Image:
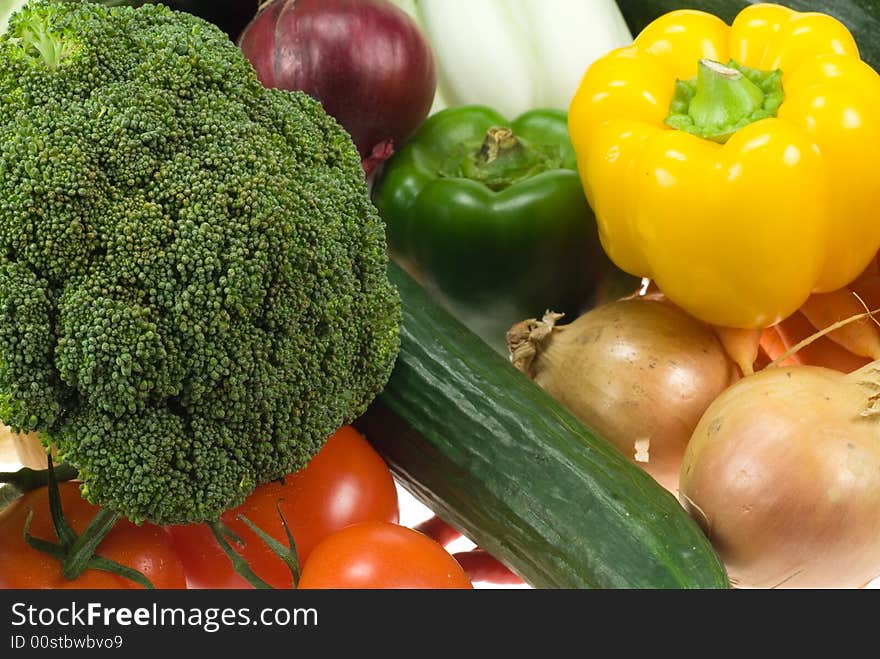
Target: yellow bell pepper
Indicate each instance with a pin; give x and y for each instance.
(737, 166)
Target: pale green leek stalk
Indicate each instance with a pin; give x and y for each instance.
(515, 55)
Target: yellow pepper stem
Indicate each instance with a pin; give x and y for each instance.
(724, 98)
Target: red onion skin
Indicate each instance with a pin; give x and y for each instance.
(257, 42)
(366, 61)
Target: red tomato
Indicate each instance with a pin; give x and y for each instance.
(146, 548)
(345, 483)
(381, 555)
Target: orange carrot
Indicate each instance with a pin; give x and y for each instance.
(860, 337)
(821, 352)
(774, 346)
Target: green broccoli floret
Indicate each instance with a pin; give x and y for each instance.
(193, 292)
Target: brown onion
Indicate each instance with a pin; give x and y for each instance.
(783, 474)
(366, 61)
(639, 371)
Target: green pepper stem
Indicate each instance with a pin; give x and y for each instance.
(500, 141)
(724, 98)
(503, 158)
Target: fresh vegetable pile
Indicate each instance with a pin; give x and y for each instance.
(345, 487)
(605, 305)
(717, 159)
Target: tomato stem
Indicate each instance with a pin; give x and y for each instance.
(286, 554)
(66, 535)
(18, 483)
(239, 564)
(84, 547)
(107, 565)
(77, 553)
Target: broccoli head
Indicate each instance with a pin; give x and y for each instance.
(193, 290)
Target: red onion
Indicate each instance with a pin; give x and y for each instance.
(366, 61)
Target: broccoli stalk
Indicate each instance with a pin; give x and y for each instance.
(193, 293)
(38, 40)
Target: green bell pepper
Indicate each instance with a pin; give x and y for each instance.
(490, 217)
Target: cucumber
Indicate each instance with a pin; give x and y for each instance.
(498, 458)
(862, 17)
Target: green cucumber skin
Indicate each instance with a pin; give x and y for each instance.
(862, 17)
(498, 458)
